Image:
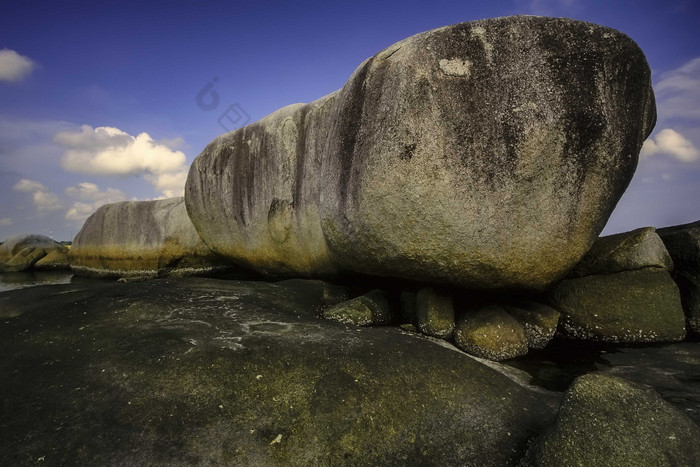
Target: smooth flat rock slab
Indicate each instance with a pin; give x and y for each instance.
(188, 371)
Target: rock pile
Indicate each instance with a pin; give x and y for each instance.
(32, 252)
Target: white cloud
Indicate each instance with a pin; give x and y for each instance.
(170, 184)
(5, 221)
(29, 186)
(671, 143)
(14, 67)
(678, 91)
(90, 198)
(111, 151)
(43, 199)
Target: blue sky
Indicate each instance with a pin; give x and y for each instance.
(98, 100)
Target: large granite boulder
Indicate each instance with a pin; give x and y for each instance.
(141, 238)
(200, 371)
(31, 251)
(486, 154)
(638, 306)
(683, 243)
(607, 421)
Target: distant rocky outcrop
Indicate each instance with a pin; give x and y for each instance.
(486, 154)
(683, 243)
(141, 238)
(32, 252)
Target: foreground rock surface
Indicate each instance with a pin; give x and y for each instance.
(607, 421)
(31, 251)
(141, 238)
(203, 371)
(683, 243)
(486, 154)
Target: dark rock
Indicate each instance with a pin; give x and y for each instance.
(633, 307)
(490, 333)
(538, 320)
(202, 371)
(408, 306)
(435, 314)
(683, 243)
(370, 309)
(604, 420)
(141, 239)
(638, 249)
(486, 154)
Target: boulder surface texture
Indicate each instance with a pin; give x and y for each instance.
(141, 238)
(486, 154)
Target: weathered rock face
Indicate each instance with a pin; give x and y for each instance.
(202, 371)
(683, 243)
(539, 322)
(30, 251)
(485, 154)
(625, 307)
(141, 238)
(605, 420)
(638, 249)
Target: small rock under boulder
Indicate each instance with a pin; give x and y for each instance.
(435, 314)
(626, 307)
(605, 420)
(370, 309)
(141, 239)
(490, 333)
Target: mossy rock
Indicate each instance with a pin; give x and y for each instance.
(370, 309)
(538, 320)
(54, 259)
(625, 307)
(24, 260)
(435, 314)
(490, 333)
(202, 371)
(607, 421)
